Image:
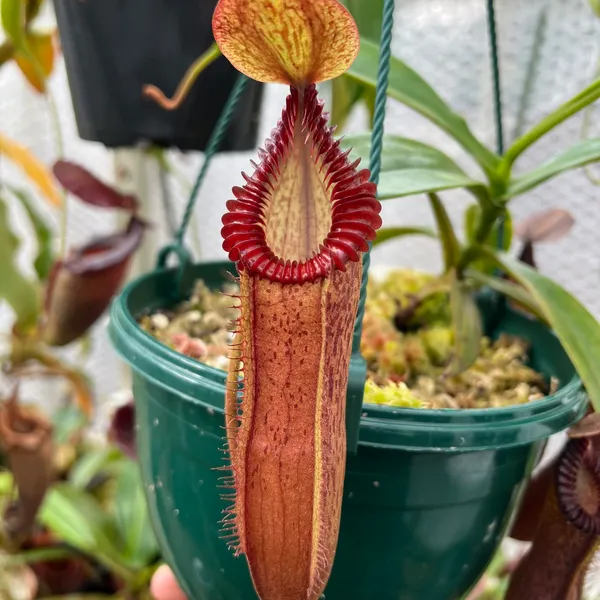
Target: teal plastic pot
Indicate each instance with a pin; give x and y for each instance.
(428, 495)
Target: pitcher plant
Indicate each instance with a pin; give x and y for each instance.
(296, 231)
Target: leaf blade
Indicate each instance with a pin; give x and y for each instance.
(407, 86)
(584, 98)
(450, 243)
(33, 168)
(579, 155)
(13, 20)
(468, 328)
(389, 233)
(576, 328)
(45, 257)
(409, 182)
(347, 92)
(37, 60)
(20, 293)
(131, 514)
(410, 167)
(76, 517)
(507, 288)
(81, 183)
(89, 465)
(368, 17)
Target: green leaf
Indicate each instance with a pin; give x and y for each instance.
(369, 99)
(408, 87)
(92, 463)
(401, 153)
(579, 155)
(368, 17)
(584, 98)
(450, 244)
(507, 232)
(78, 519)
(13, 20)
(576, 328)
(507, 288)
(595, 4)
(389, 233)
(395, 184)
(472, 216)
(67, 421)
(347, 92)
(133, 522)
(468, 331)
(44, 259)
(409, 167)
(21, 293)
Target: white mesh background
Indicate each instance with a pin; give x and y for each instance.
(446, 42)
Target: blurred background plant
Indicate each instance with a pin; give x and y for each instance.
(84, 528)
(74, 515)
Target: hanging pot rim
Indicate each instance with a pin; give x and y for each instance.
(433, 430)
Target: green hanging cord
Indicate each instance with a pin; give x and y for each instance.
(491, 18)
(495, 63)
(177, 246)
(213, 146)
(385, 55)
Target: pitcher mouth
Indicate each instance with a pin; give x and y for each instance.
(332, 202)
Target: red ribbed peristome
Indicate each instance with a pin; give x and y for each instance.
(354, 207)
(578, 455)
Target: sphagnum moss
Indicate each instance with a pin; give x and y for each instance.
(406, 367)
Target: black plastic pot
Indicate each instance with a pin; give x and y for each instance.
(113, 48)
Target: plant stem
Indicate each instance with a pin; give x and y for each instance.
(490, 213)
(186, 83)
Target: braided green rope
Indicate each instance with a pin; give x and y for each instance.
(385, 55)
(213, 146)
(493, 35)
(491, 18)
